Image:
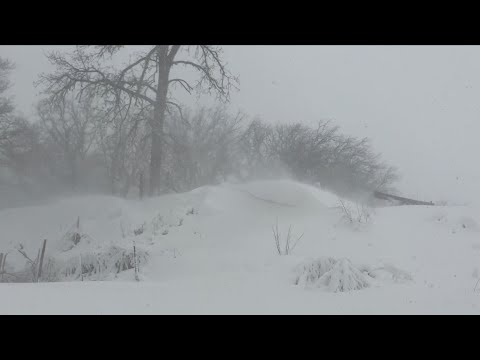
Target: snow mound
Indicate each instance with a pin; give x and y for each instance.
(467, 222)
(455, 222)
(390, 272)
(288, 193)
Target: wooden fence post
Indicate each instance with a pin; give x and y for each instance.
(2, 269)
(2, 258)
(41, 259)
(135, 262)
(81, 267)
(1, 264)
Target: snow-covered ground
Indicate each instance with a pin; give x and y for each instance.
(212, 250)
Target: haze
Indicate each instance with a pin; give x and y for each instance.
(419, 104)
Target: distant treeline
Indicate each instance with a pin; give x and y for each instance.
(84, 144)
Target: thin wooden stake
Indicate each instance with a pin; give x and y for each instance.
(81, 267)
(1, 265)
(36, 264)
(135, 262)
(41, 259)
(2, 269)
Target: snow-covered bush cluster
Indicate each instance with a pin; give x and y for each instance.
(310, 271)
(162, 223)
(340, 275)
(73, 254)
(99, 265)
(93, 265)
(73, 237)
(331, 274)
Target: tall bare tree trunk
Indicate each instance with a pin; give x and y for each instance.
(159, 119)
(155, 163)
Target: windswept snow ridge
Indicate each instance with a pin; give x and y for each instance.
(212, 250)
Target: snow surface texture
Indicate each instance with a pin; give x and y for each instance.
(212, 250)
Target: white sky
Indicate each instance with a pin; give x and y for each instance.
(419, 104)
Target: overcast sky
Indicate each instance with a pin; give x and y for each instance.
(419, 104)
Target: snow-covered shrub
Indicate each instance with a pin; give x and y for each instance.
(310, 271)
(27, 274)
(98, 265)
(332, 275)
(344, 277)
(51, 272)
(157, 225)
(73, 237)
(289, 243)
(355, 214)
(161, 223)
(31, 269)
(87, 266)
(139, 231)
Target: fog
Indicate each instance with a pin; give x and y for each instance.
(418, 104)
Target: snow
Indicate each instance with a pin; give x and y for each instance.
(212, 251)
(334, 275)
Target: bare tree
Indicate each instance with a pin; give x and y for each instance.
(71, 126)
(201, 148)
(304, 150)
(123, 142)
(19, 140)
(147, 79)
(316, 154)
(6, 107)
(256, 156)
(21, 146)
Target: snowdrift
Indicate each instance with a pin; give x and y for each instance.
(212, 250)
